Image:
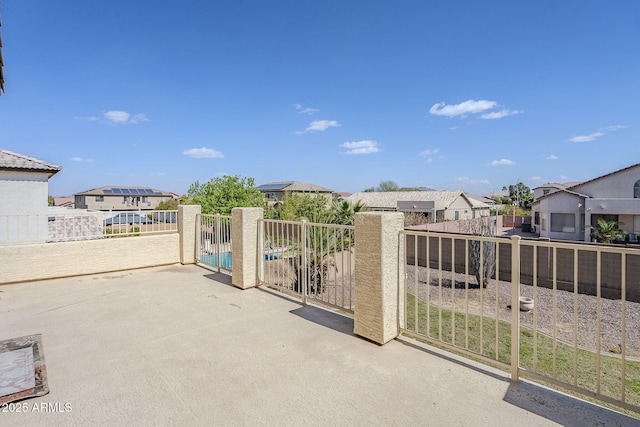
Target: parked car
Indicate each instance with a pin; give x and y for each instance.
(127, 218)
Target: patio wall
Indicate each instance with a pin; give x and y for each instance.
(52, 260)
(22, 263)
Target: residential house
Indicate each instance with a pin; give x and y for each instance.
(24, 183)
(120, 198)
(551, 187)
(24, 190)
(567, 213)
(275, 192)
(435, 205)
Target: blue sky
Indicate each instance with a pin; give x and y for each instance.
(344, 94)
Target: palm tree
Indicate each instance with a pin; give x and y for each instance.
(343, 212)
(607, 231)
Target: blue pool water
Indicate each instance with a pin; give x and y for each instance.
(212, 259)
(225, 259)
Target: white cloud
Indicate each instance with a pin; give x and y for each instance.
(586, 138)
(117, 116)
(463, 180)
(122, 117)
(80, 159)
(552, 157)
(305, 110)
(503, 162)
(536, 178)
(427, 154)
(564, 177)
(614, 128)
(499, 114)
(319, 126)
(361, 147)
(467, 107)
(139, 118)
(203, 153)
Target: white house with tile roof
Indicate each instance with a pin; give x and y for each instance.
(24, 191)
(24, 183)
(567, 213)
(438, 205)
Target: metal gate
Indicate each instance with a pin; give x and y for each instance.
(314, 262)
(213, 245)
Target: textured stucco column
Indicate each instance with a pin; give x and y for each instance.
(377, 238)
(244, 250)
(187, 217)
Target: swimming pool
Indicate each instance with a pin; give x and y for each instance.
(225, 259)
(212, 259)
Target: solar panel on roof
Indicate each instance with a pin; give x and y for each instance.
(148, 191)
(108, 191)
(116, 191)
(269, 187)
(125, 191)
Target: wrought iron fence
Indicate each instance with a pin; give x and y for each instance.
(312, 261)
(530, 307)
(71, 225)
(213, 247)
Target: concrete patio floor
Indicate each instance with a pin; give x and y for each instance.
(179, 345)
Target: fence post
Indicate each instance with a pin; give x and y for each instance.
(244, 251)
(216, 228)
(187, 215)
(260, 251)
(515, 307)
(305, 270)
(198, 237)
(377, 237)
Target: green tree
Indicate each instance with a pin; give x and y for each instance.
(296, 207)
(51, 200)
(344, 212)
(221, 194)
(388, 186)
(519, 194)
(607, 231)
(168, 205)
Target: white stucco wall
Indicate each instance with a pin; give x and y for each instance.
(50, 260)
(23, 192)
(563, 203)
(617, 186)
(462, 206)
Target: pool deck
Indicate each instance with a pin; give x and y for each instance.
(178, 345)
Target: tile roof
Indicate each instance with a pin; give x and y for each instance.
(390, 199)
(293, 186)
(14, 161)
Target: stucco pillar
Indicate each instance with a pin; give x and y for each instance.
(244, 250)
(187, 217)
(377, 242)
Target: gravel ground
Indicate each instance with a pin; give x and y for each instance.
(587, 326)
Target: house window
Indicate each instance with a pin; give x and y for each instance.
(545, 192)
(563, 223)
(456, 215)
(636, 190)
(536, 218)
(145, 199)
(99, 198)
